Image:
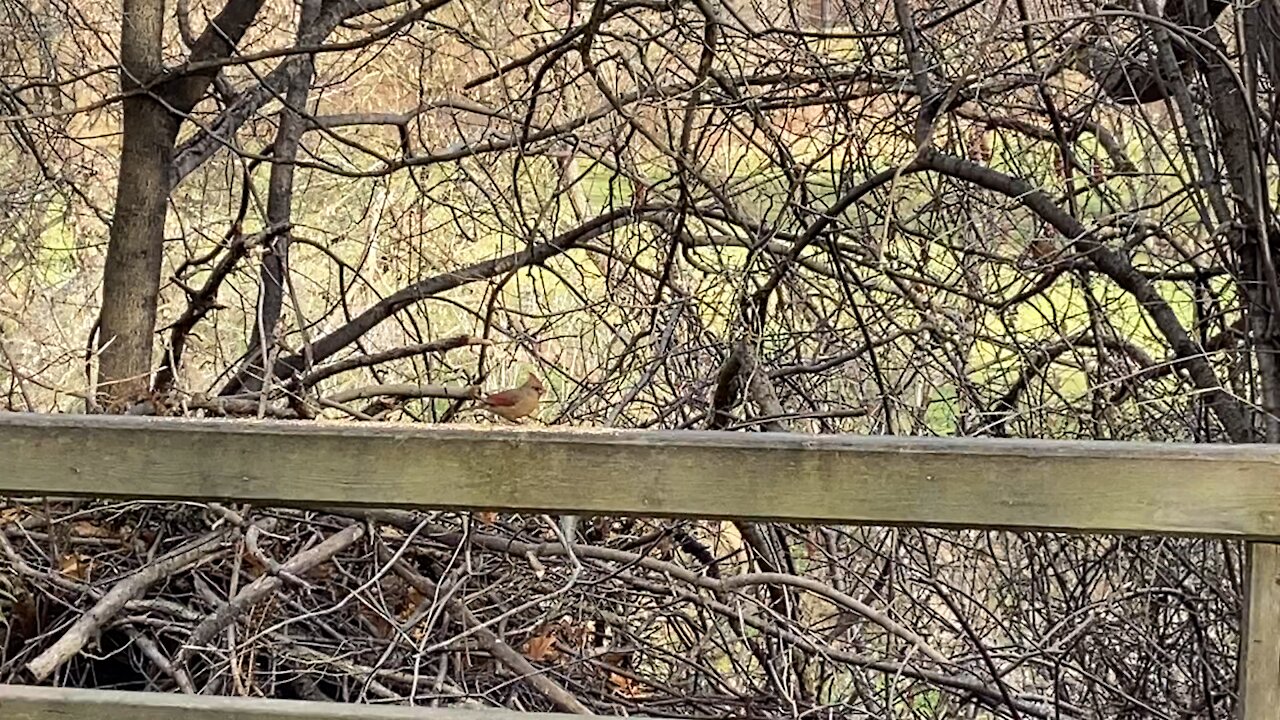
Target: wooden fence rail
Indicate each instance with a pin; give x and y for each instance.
(20, 702)
(1207, 490)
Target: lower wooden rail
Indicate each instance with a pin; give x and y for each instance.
(21, 702)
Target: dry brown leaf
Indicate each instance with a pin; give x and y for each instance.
(541, 647)
(10, 515)
(486, 517)
(604, 527)
(75, 565)
(90, 529)
(617, 658)
(575, 635)
(412, 600)
(252, 566)
(625, 686)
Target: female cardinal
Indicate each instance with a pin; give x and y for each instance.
(517, 402)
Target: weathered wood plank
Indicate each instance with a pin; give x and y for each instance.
(20, 702)
(1227, 491)
(1260, 635)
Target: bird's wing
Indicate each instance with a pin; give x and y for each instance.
(502, 399)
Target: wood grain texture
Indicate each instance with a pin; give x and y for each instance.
(1225, 491)
(20, 702)
(1260, 649)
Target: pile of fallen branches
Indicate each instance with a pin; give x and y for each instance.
(663, 618)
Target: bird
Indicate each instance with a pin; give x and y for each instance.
(516, 403)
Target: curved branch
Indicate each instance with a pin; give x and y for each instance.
(435, 346)
(1120, 270)
(325, 347)
(1129, 80)
(1039, 361)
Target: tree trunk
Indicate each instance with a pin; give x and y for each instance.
(131, 283)
(275, 264)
